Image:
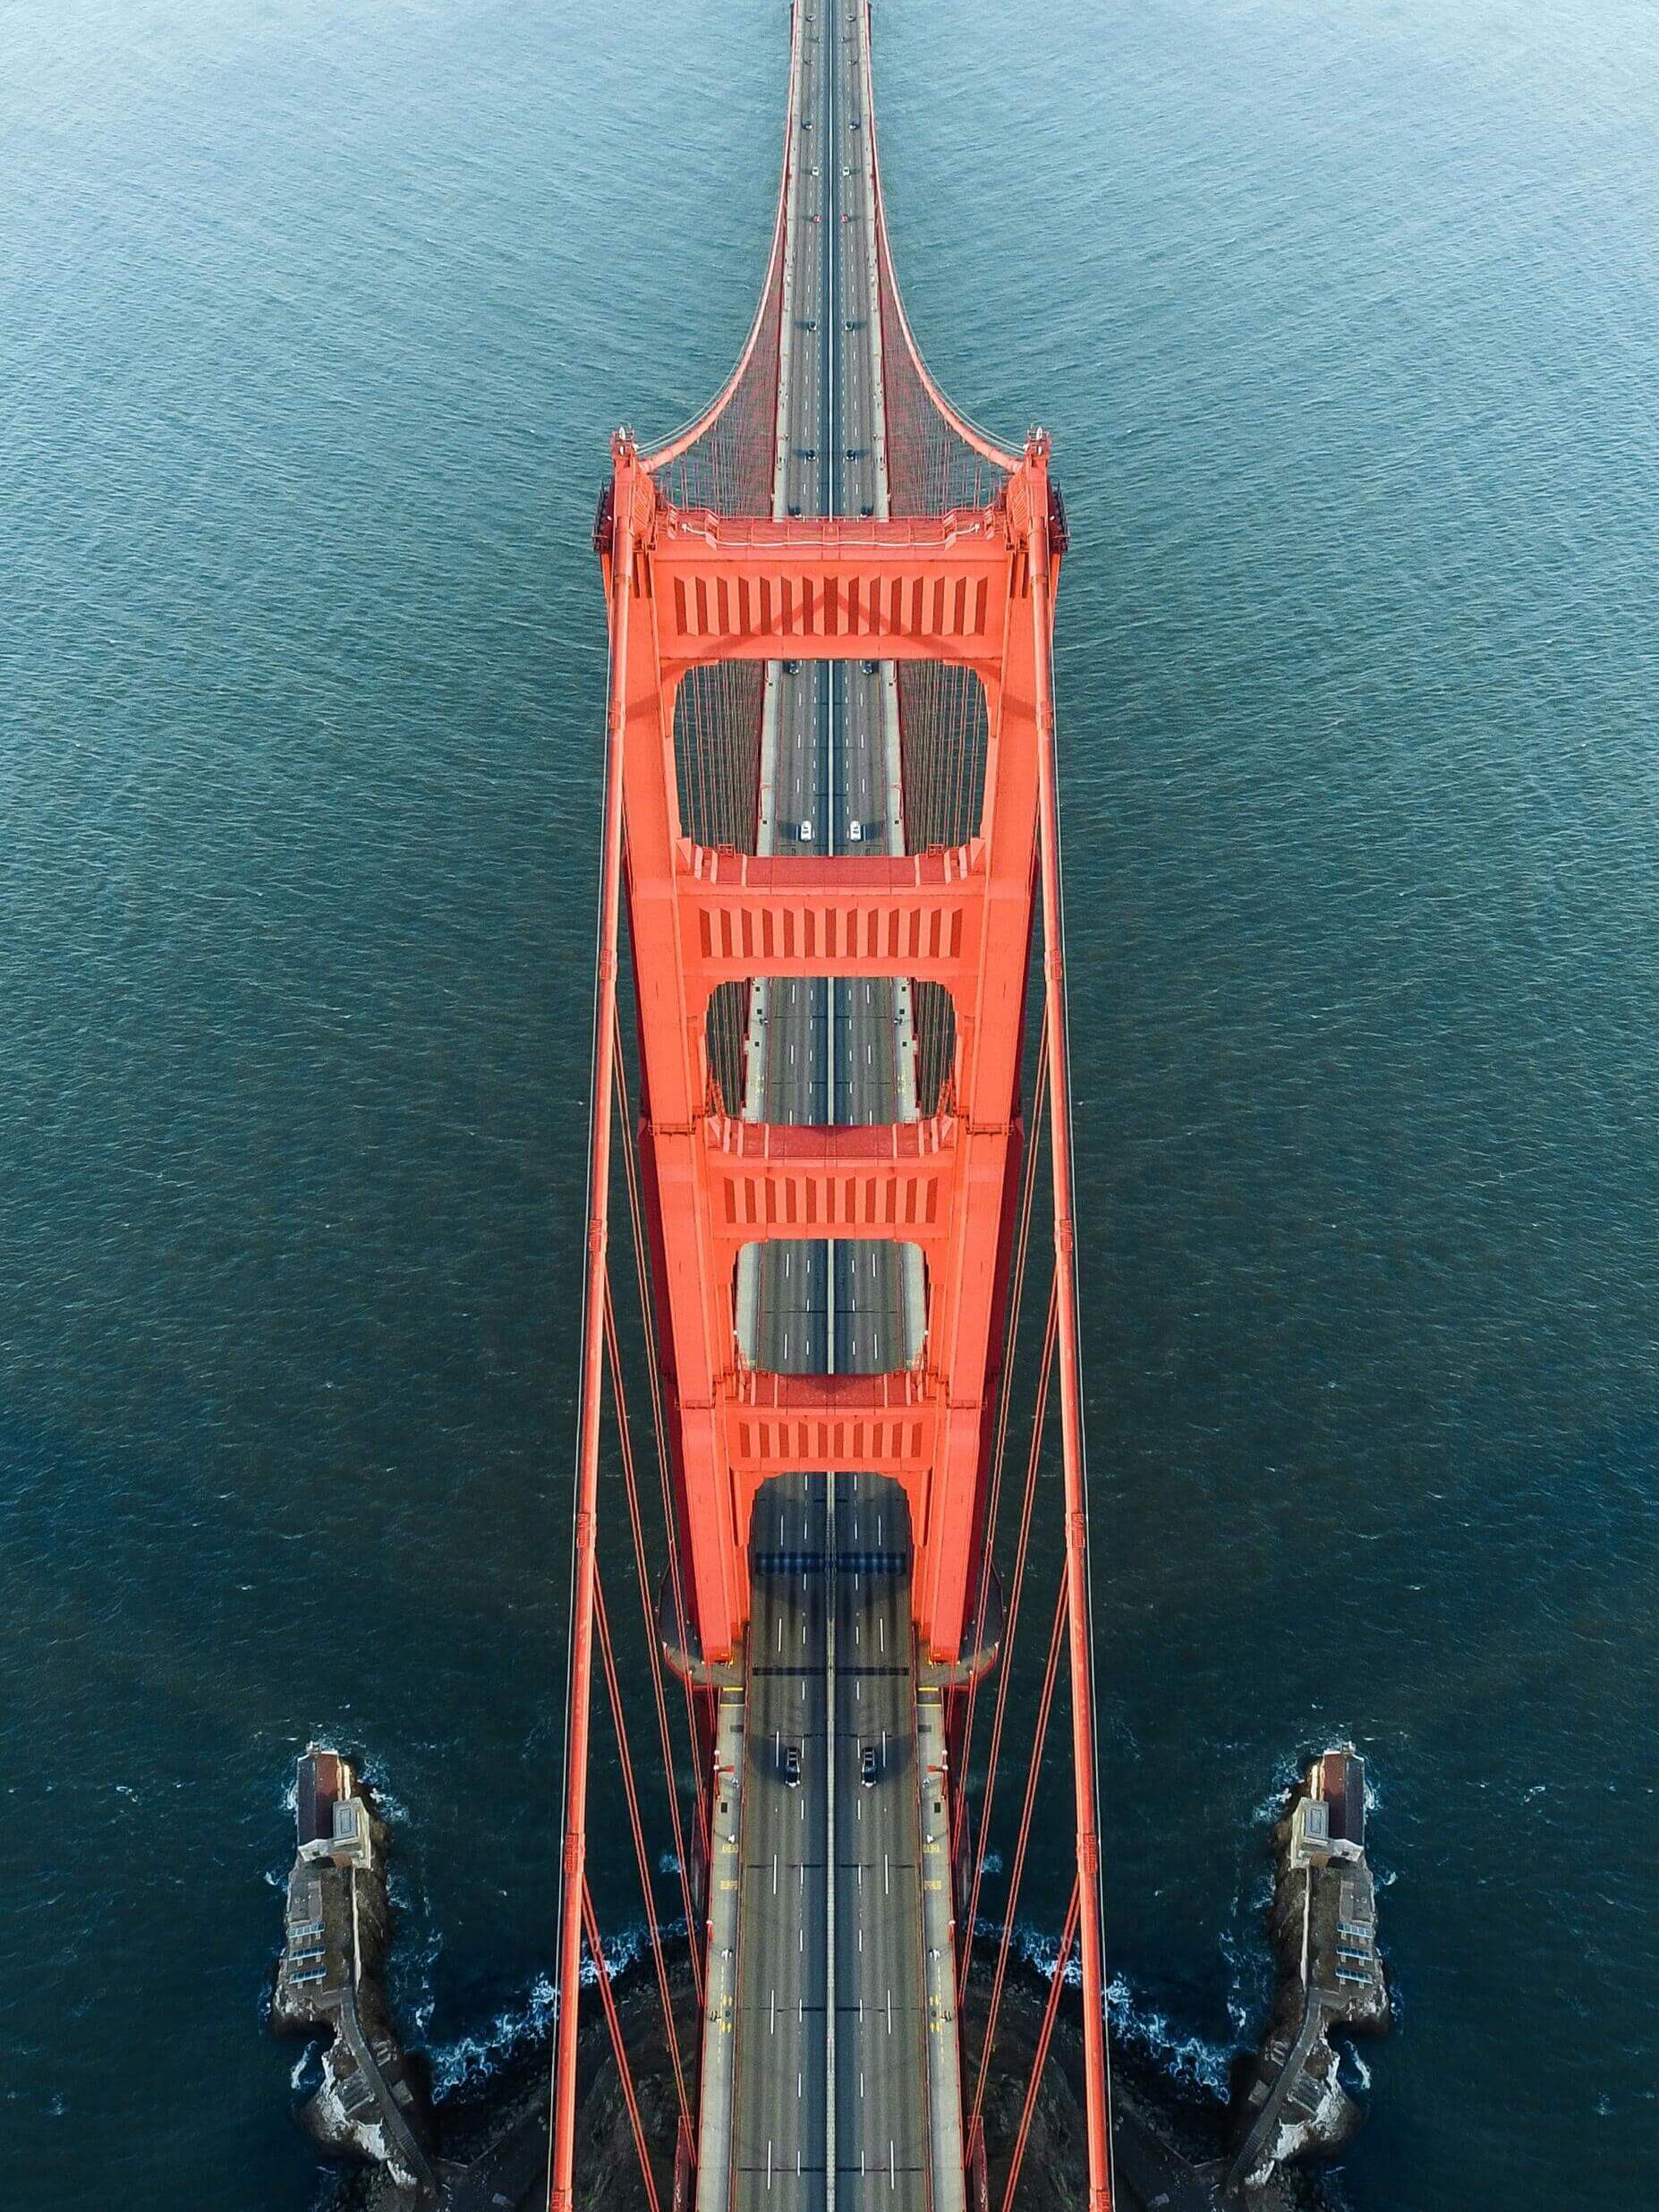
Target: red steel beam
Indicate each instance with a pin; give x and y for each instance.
(918, 917)
(774, 1179)
(956, 588)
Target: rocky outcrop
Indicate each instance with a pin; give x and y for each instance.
(337, 1927)
(1323, 1923)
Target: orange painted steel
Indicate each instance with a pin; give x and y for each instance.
(585, 1565)
(1096, 2060)
(630, 1482)
(957, 587)
(620, 2049)
(1039, 1418)
(1010, 1908)
(954, 584)
(1050, 2013)
(641, 1859)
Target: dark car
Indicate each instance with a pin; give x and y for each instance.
(792, 1765)
(867, 1767)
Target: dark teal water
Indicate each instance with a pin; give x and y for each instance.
(313, 323)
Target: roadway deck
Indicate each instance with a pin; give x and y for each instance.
(832, 2099)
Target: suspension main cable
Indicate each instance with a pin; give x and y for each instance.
(631, 1485)
(1012, 1906)
(603, 1969)
(619, 1720)
(658, 1422)
(585, 1558)
(1027, 1198)
(1051, 1338)
(1043, 2040)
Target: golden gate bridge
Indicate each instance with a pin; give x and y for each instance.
(832, 823)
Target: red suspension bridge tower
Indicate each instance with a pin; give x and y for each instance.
(832, 823)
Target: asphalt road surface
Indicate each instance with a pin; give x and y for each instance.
(831, 1897)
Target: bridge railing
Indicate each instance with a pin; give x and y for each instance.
(726, 457)
(936, 458)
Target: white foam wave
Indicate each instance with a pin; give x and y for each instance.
(387, 1803)
(1271, 1808)
(472, 2059)
(416, 1996)
(1191, 2061)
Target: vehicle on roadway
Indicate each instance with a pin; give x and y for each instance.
(792, 1765)
(867, 1767)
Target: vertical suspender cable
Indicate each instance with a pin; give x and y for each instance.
(1040, 2060)
(1017, 1875)
(1001, 1453)
(574, 1857)
(660, 1438)
(1038, 1419)
(603, 1972)
(652, 1927)
(1095, 2054)
(631, 1485)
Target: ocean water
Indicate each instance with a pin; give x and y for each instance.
(313, 324)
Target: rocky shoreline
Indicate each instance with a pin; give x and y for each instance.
(492, 2136)
(1176, 2148)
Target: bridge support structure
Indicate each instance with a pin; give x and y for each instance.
(959, 590)
(949, 587)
